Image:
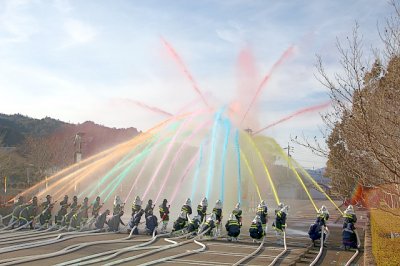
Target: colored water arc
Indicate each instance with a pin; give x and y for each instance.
(239, 173)
(211, 165)
(227, 126)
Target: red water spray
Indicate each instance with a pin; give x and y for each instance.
(297, 113)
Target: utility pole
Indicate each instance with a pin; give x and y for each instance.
(78, 141)
(290, 149)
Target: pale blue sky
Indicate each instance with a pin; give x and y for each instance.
(71, 59)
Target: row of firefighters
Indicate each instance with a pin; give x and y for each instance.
(75, 215)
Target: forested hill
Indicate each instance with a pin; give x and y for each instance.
(47, 144)
(14, 129)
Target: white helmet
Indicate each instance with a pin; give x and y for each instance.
(117, 200)
(204, 202)
(259, 205)
(232, 217)
(237, 207)
(218, 204)
(349, 210)
(138, 201)
(323, 210)
(188, 202)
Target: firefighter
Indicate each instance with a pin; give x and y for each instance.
(218, 216)
(208, 226)
(256, 230)
(102, 219)
(135, 221)
(45, 216)
(349, 216)
(46, 203)
(232, 226)
(238, 213)
(149, 208)
(164, 215)
(280, 206)
(136, 205)
(76, 219)
(151, 222)
(180, 223)
(194, 224)
(96, 207)
(187, 208)
(115, 221)
(349, 236)
(262, 211)
(28, 213)
(85, 210)
(18, 206)
(64, 205)
(323, 215)
(74, 204)
(280, 223)
(118, 205)
(73, 210)
(202, 209)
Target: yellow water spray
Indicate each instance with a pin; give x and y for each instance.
(297, 175)
(265, 168)
(318, 186)
(253, 178)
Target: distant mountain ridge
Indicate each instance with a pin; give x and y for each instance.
(15, 128)
(36, 148)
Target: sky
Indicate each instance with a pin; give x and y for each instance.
(89, 60)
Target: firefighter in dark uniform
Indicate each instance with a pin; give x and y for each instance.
(96, 207)
(164, 215)
(202, 209)
(232, 226)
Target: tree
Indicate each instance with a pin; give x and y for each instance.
(363, 130)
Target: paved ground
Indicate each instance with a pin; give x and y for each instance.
(217, 252)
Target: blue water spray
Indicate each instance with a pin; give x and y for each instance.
(227, 125)
(211, 165)
(237, 147)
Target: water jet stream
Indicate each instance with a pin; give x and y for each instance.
(317, 186)
(185, 173)
(297, 113)
(185, 70)
(211, 165)
(253, 177)
(278, 63)
(288, 160)
(239, 175)
(177, 154)
(251, 141)
(197, 172)
(166, 153)
(227, 126)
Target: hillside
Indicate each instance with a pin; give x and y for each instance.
(33, 148)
